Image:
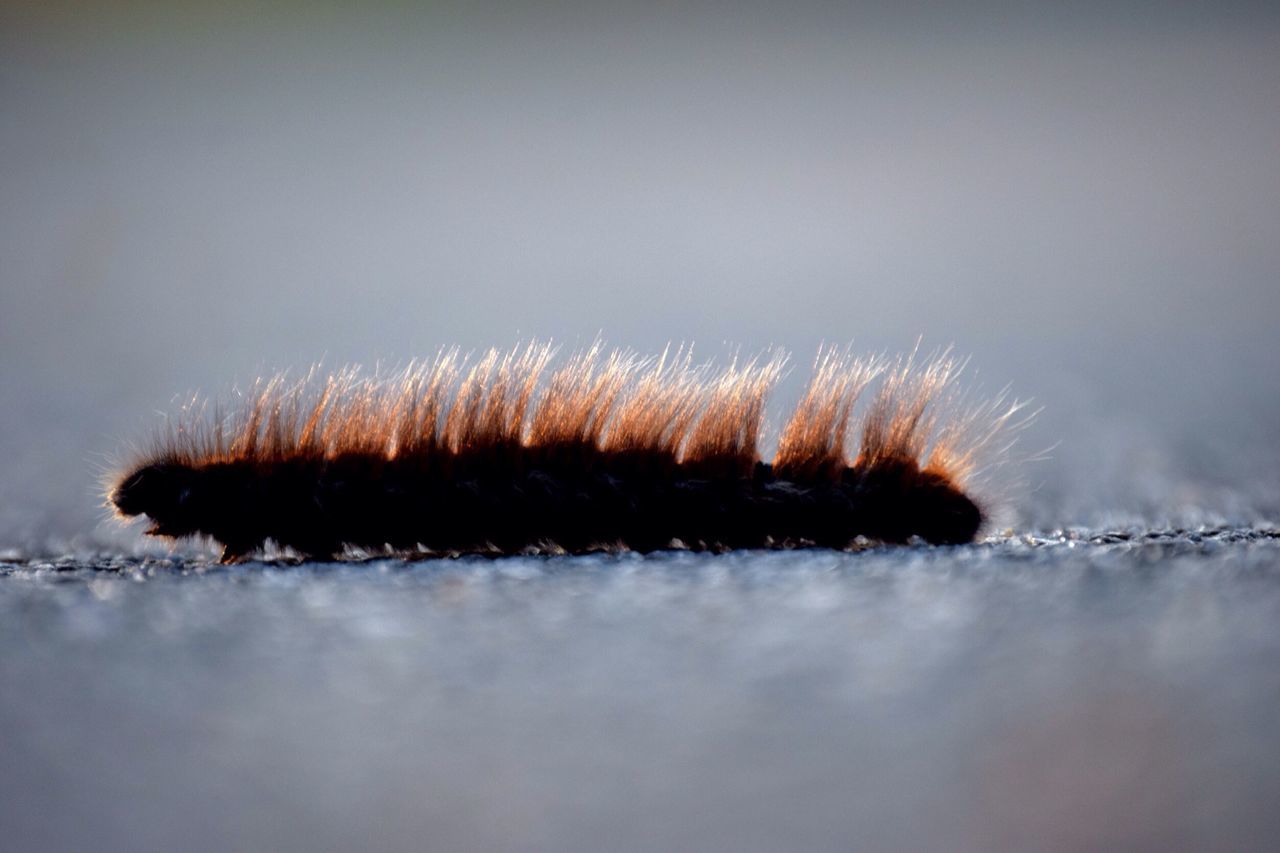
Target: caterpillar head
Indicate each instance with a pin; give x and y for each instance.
(161, 491)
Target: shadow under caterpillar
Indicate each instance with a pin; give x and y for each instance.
(509, 454)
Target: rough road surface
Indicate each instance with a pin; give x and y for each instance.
(1076, 690)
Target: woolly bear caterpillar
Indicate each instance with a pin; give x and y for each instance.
(508, 454)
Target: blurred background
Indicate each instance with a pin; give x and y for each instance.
(1084, 198)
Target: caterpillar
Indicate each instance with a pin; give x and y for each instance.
(510, 454)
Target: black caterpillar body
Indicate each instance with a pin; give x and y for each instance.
(506, 456)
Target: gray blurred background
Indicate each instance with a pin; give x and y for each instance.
(1085, 199)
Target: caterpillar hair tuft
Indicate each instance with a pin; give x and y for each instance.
(508, 453)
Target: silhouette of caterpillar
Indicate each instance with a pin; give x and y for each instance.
(508, 454)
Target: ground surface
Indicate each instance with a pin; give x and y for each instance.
(1076, 691)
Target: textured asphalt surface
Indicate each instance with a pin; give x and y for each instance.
(1075, 690)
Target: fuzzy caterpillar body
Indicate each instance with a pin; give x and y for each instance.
(607, 451)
